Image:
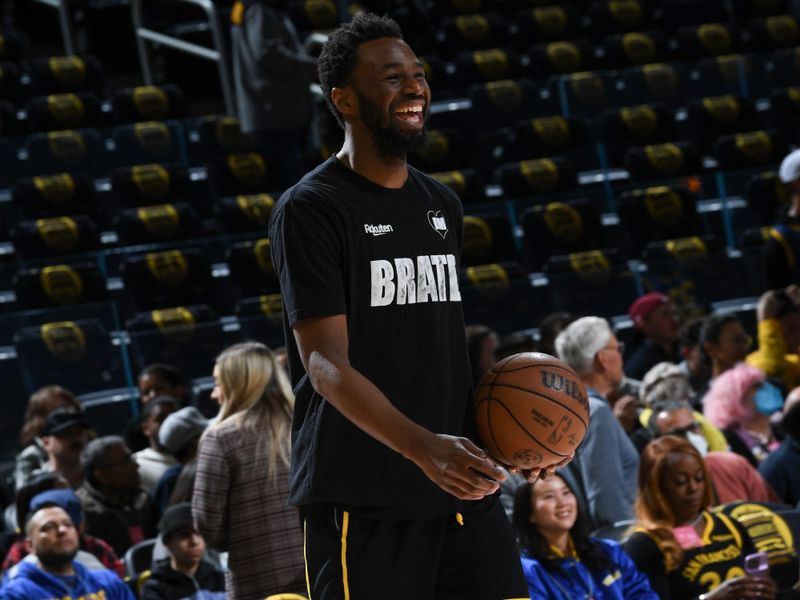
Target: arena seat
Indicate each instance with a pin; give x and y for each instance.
(479, 66)
(501, 297)
(545, 136)
(619, 17)
(145, 185)
(167, 278)
(443, 150)
(55, 236)
(750, 149)
(189, 337)
(635, 48)
(726, 74)
(472, 32)
(217, 136)
(467, 183)
(77, 354)
(156, 223)
(785, 111)
(597, 281)
(148, 142)
(557, 58)
(590, 92)
(658, 213)
(655, 82)
(68, 150)
(551, 23)
(14, 45)
(59, 285)
(659, 161)
(10, 125)
(707, 40)
(499, 103)
(766, 196)
(561, 228)
(149, 103)
(66, 74)
(79, 110)
(45, 196)
(245, 213)
(772, 33)
(536, 176)
(241, 173)
(488, 238)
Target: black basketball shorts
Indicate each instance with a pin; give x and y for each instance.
(469, 555)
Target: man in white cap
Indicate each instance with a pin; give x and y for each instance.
(782, 249)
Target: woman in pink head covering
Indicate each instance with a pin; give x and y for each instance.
(740, 402)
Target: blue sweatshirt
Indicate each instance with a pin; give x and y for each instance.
(574, 581)
(32, 583)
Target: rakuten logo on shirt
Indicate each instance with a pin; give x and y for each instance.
(378, 229)
(428, 278)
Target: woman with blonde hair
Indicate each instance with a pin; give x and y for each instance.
(241, 490)
(688, 552)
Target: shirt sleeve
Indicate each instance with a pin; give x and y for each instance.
(601, 468)
(209, 499)
(308, 257)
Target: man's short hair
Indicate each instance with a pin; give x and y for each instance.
(581, 340)
(338, 56)
(151, 407)
(96, 455)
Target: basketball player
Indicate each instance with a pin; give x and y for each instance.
(397, 502)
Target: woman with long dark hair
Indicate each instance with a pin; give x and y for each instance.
(560, 560)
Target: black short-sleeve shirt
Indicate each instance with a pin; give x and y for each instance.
(388, 260)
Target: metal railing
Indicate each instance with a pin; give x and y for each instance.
(217, 53)
(64, 22)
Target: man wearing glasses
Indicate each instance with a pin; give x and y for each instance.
(606, 463)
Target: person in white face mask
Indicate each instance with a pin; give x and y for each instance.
(732, 477)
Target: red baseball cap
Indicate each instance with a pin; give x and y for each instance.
(644, 305)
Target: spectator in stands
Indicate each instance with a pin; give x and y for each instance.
(240, 500)
(732, 477)
(65, 435)
(482, 348)
(656, 321)
(741, 402)
(560, 560)
(781, 468)
(694, 365)
(185, 573)
(665, 388)
(549, 328)
(724, 342)
(40, 404)
(179, 435)
(686, 551)
(153, 461)
(93, 553)
(272, 73)
(783, 246)
(778, 315)
(155, 380)
(53, 571)
(116, 507)
(606, 461)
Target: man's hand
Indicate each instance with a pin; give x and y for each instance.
(457, 466)
(743, 588)
(544, 473)
(626, 410)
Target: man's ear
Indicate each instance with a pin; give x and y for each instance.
(344, 99)
(26, 543)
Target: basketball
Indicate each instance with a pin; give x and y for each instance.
(531, 410)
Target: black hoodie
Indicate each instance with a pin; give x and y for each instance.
(166, 583)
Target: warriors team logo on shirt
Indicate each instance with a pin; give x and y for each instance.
(436, 221)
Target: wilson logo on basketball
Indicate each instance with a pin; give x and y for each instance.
(559, 383)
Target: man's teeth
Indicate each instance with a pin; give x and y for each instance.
(406, 109)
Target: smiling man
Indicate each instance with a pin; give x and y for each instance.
(53, 542)
(397, 501)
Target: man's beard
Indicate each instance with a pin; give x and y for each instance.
(55, 561)
(391, 144)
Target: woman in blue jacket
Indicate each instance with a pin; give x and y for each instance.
(560, 560)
